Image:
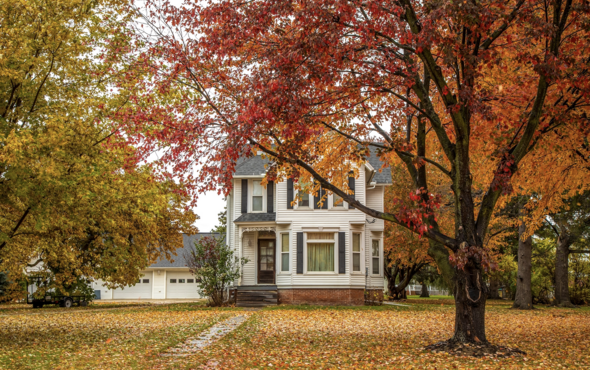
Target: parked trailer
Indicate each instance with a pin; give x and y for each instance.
(66, 301)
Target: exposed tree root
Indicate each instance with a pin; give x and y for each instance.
(474, 349)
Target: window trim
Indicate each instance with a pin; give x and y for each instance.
(342, 207)
(288, 252)
(296, 206)
(380, 256)
(306, 241)
(251, 197)
(360, 252)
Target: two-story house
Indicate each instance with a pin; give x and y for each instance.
(307, 252)
(312, 252)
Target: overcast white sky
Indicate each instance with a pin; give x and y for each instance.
(208, 206)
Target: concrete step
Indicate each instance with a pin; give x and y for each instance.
(257, 295)
(255, 304)
(256, 287)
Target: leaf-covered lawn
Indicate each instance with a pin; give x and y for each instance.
(108, 339)
(392, 337)
(288, 337)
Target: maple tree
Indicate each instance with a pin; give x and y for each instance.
(313, 85)
(73, 201)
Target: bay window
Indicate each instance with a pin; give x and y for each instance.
(285, 252)
(320, 252)
(356, 252)
(375, 257)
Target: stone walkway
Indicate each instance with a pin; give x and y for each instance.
(215, 333)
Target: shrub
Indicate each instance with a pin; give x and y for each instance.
(214, 266)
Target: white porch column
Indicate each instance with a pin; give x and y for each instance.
(240, 253)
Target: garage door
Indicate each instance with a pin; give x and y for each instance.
(141, 290)
(181, 285)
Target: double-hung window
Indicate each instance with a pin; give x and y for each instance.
(356, 252)
(257, 199)
(320, 252)
(337, 201)
(284, 252)
(375, 257)
(303, 196)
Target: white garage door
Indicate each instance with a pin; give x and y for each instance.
(181, 285)
(141, 290)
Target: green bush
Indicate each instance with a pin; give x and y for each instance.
(215, 268)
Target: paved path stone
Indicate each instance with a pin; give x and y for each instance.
(396, 304)
(207, 338)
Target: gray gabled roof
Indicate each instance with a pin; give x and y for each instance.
(257, 217)
(188, 242)
(254, 166)
(383, 177)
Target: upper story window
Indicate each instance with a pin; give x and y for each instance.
(337, 201)
(303, 196)
(257, 198)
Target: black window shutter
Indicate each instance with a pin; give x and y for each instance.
(351, 186)
(244, 196)
(341, 253)
(270, 197)
(323, 196)
(300, 253)
(290, 194)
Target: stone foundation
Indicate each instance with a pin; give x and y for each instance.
(345, 297)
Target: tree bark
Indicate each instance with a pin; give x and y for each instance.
(562, 292)
(470, 303)
(493, 291)
(424, 293)
(524, 292)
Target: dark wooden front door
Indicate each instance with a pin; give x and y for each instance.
(266, 261)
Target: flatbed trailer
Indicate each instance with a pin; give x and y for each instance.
(66, 301)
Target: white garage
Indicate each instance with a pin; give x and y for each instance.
(181, 285)
(141, 290)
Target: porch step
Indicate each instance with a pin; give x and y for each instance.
(257, 296)
(257, 287)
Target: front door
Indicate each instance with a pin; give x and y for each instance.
(266, 261)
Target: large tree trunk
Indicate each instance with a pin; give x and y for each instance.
(424, 293)
(524, 292)
(562, 292)
(470, 305)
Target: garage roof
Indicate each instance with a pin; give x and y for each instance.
(188, 242)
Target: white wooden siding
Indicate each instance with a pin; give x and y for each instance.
(298, 220)
(249, 246)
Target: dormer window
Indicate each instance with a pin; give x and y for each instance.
(257, 200)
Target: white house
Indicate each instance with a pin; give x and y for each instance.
(311, 253)
(304, 252)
